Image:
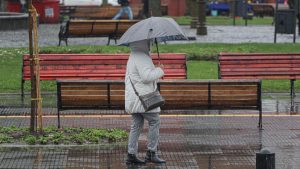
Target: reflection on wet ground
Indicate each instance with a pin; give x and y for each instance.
(205, 142)
(273, 103)
(208, 142)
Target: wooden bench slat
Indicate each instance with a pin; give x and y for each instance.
(231, 87)
(84, 92)
(94, 67)
(191, 92)
(260, 62)
(260, 57)
(234, 103)
(287, 69)
(257, 54)
(271, 77)
(186, 98)
(100, 62)
(85, 103)
(164, 88)
(103, 12)
(233, 93)
(83, 87)
(261, 73)
(163, 56)
(103, 71)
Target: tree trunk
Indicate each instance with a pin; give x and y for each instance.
(154, 8)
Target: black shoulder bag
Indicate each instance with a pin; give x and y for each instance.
(151, 100)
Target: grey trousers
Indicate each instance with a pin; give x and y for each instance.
(137, 125)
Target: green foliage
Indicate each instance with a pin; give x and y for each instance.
(43, 140)
(30, 139)
(5, 139)
(79, 138)
(9, 130)
(53, 135)
(117, 134)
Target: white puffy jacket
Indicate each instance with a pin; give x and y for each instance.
(143, 74)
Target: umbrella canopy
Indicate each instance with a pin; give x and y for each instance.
(159, 28)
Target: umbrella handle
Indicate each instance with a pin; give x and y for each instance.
(155, 40)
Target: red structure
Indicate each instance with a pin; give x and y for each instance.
(13, 6)
(48, 10)
(174, 7)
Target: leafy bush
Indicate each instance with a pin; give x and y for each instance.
(5, 138)
(68, 135)
(30, 139)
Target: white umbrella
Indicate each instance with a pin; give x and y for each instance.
(158, 28)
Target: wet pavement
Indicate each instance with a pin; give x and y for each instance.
(48, 36)
(272, 104)
(207, 140)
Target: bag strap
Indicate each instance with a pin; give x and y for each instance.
(155, 40)
(135, 91)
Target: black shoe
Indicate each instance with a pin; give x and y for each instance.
(151, 156)
(132, 159)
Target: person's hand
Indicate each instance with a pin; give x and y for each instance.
(161, 66)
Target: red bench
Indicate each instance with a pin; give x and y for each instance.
(269, 66)
(97, 66)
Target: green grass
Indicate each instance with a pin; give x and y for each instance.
(202, 70)
(11, 61)
(68, 135)
(225, 20)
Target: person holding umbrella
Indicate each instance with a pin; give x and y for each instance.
(141, 78)
(143, 75)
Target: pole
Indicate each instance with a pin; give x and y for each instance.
(245, 12)
(36, 106)
(234, 11)
(194, 13)
(276, 16)
(201, 27)
(33, 94)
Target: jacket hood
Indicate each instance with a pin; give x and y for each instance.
(140, 46)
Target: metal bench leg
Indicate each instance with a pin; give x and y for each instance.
(259, 103)
(260, 120)
(59, 42)
(66, 42)
(22, 91)
(58, 118)
(108, 42)
(292, 94)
